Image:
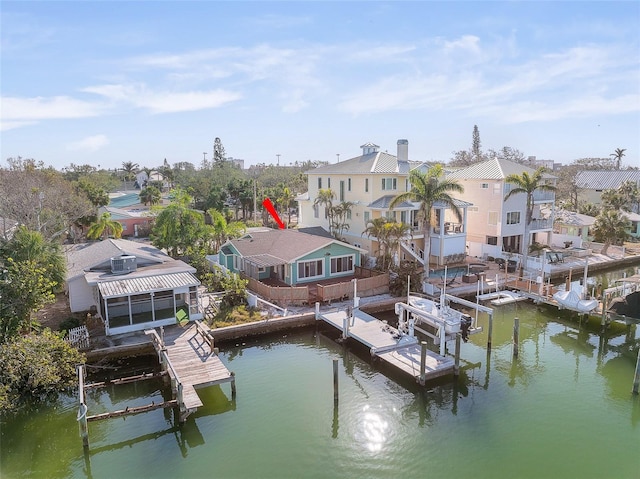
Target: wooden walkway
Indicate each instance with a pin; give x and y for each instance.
(403, 352)
(191, 360)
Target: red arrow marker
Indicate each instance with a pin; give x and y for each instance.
(272, 211)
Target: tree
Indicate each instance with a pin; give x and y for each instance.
(129, 170)
(617, 156)
(339, 215)
(285, 199)
(376, 228)
(28, 245)
(527, 184)
(150, 195)
(427, 189)
(610, 228)
(179, 229)
(34, 368)
(630, 191)
(325, 198)
(25, 289)
(104, 225)
(221, 231)
(612, 199)
(476, 147)
(219, 155)
(40, 198)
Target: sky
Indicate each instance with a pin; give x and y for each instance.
(103, 83)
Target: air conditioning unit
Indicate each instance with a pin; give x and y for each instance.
(123, 264)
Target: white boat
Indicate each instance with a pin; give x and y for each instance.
(502, 297)
(573, 300)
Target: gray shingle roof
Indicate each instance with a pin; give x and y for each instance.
(605, 179)
(492, 170)
(284, 244)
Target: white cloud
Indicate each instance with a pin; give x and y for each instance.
(165, 101)
(39, 108)
(89, 144)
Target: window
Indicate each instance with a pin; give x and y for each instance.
(328, 182)
(492, 240)
(366, 217)
(513, 217)
(342, 190)
(342, 264)
(316, 211)
(497, 189)
(403, 217)
(485, 186)
(348, 214)
(366, 185)
(389, 183)
(309, 269)
(319, 183)
(473, 208)
(349, 184)
(493, 218)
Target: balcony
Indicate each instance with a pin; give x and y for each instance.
(544, 196)
(449, 229)
(541, 224)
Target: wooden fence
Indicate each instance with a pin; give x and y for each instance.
(370, 286)
(280, 294)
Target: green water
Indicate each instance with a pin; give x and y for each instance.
(562, 409)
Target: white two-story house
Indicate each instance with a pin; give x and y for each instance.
(496, 226)
(371, 181)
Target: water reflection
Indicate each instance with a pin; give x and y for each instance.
(373, 429)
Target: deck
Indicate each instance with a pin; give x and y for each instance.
(386, 343)
(192, 363)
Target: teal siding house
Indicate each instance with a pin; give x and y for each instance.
(290, 256)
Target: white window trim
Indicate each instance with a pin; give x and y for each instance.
(346, 271)
(321, 275)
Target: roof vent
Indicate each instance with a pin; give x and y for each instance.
(123, 264)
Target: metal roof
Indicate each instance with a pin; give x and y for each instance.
(492, 170)
(264, 260)
(385, 201)
(379, 162)
(605, 179)
(147, 284)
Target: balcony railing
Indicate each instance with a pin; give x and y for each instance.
(541, 224)
(549, 196)
(449, 229)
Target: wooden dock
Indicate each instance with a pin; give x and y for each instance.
(403, 352)
(191, 361)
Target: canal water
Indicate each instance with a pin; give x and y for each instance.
(563, 408)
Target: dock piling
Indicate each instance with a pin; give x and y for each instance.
(423, 362)
(335, 382)
(456, 367)
(516, 331)
(636, 378)
(490, 332)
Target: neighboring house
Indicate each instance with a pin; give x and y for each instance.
(124, 200)
(635, 223)
(371, 181)
(571, 228)
(142, 179)
(134, 223)
(494, 225)
(591, 183)
(290, 256)
(132, 286)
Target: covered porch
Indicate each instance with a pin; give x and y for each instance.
(135, 304)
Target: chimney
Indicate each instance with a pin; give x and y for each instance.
(403, 150)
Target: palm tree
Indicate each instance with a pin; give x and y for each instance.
(325, 198)
(129, 169)
(617, 154)
(339, 215)
(285, 199)
(527, 184)
(150, 195)
(610, 227)
(376, 228)
(221, 231)
(427, 189)
(104, 225)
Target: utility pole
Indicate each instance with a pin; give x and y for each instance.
(338, 155)
(204, 156)
(278, 155)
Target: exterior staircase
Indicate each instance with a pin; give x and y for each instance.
(418, 254)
